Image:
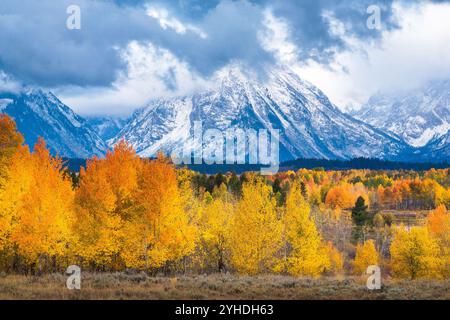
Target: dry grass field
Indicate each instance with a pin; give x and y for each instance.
(272, 287)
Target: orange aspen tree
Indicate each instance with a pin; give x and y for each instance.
(12, 174)
(438, 223)
(10, 141)
(158, 231)
(104, 201)
(45, 213)
(19, 181)
(339, 197)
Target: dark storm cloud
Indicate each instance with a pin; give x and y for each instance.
(37, 47)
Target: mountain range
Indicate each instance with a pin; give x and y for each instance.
(412, 126)
(310, 125)
(418, 116)
(42, 114)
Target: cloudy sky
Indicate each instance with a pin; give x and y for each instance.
(128, 52)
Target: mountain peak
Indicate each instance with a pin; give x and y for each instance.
(42, 114)
(418, 116)
(310, 125)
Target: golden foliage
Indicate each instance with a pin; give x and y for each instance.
(157, 231)
(129, 212)
(438, 223)
(336, 265)
(344, 196)
(255, 233)
(214, 224)
(133, 217)
(10, 141)
(308, 255)
(366, 255)
(37, 207)
(415, 254)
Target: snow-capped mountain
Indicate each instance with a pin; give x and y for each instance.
(310, 125)
(107, 127)
(41, 114)
(418, 116)
(436, 150)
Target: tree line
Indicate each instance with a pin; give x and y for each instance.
(125, 212)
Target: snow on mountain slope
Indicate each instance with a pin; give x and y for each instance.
(310, 125)
(417, 116)
(40, 114)
(437, 149)
(107, 127)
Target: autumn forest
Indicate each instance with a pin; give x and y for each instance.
(123, 212)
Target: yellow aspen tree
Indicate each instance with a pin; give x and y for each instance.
(191, 203)
(158, 231)
(336, 265)
(45, 214)
(415, 254)
(255, 232)
(308, 254)
(366, 255)
(214, 224)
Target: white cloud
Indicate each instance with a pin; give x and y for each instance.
(167, 21)
(416, 52)
(275, 38)
(7, 84)
(404, 58)
(148, 73)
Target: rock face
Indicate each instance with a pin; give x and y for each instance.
(41, 114)
(107, 127)
(310, 125)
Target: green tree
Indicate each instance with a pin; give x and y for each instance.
(234, 185)
(359, 212)
(303, 190)
(360, 216)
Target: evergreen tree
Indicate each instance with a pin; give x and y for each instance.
(220, 179)
(359, 218)
(210, 183)
(303, 190)
(234, 185)
(359, 212)
(276, 187)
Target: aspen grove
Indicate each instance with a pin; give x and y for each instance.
(126, 212)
